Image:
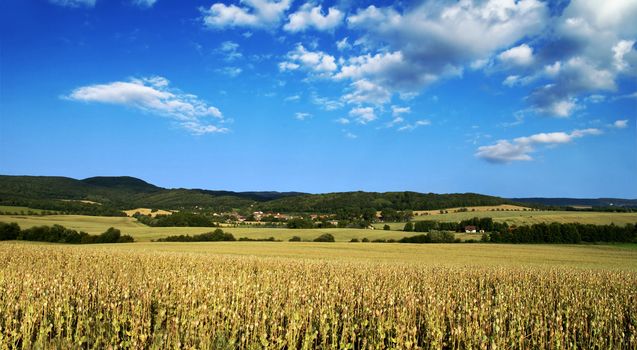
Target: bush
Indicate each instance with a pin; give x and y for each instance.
(386, 227)
(326, 237)
(9, 232)
(408, 227)
(295, 239)
(354, 240)
(365, 240)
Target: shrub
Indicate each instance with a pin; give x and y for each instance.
(326, 237)
(354, 240)
(386, 227)
(9, 231)
(295, 239)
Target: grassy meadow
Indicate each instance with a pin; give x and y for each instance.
(251, 295)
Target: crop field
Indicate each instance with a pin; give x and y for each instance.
(536, 217)
(141, 232)
(253, 295)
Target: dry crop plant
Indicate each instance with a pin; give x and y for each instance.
(77, 297)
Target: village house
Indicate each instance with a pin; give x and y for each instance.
(470, 229)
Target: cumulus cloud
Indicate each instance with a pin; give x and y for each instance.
(309, 16)
(584, 51)
(364, 91)
(256, 14)
(520, 149)
(573, 77)
(363, 115)
(517, 56)
(437, 39)
(315, 61)
(153, 95)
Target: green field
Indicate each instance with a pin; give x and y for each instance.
(18, 210)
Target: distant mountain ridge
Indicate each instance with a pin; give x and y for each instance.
(125, 192)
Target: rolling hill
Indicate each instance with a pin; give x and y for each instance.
(104, 195)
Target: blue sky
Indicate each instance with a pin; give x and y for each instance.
(500, 97)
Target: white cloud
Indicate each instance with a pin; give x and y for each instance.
(438, 39)
(308, 16)
(365, 91)
(315, 61)
(74, 3)
(153, 95)
(292, 98)
(343, 45)
(621, 49)
(518, 56)
(363, 115)
(586, 49)
(302, 115)
(230, 50)
(418, 123)
(343, 121)
(326, 103)
(396, 111)
(256, 14)
(621, 124)
(520, 149)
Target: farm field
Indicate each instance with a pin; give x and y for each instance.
(141, 232)
(99, 224)
(480, 208)
(535, 217)
(317, 295)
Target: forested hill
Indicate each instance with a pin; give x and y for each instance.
(331, 202)
(111, 194)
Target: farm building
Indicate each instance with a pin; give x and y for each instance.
(470, 229)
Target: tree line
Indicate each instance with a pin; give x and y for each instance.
(60, 234)
(486, 224)
(215, 236)
(177, 219)
(564, 233)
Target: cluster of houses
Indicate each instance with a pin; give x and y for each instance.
(472, 229)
